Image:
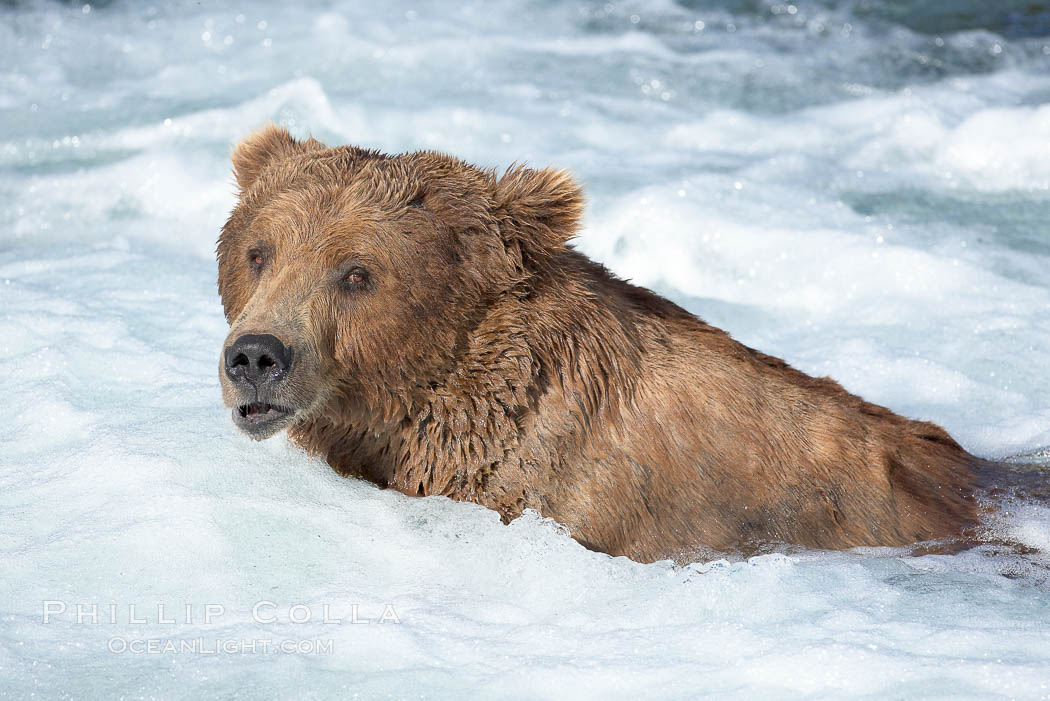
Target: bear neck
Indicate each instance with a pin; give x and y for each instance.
(533, 366)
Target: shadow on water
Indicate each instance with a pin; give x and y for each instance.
(1024, 476)
(1014, 504)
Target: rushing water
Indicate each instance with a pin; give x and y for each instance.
(861, 188)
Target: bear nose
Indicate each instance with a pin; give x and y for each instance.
(258, 359)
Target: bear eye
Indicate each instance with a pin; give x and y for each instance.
(355, 278)
(257, 260)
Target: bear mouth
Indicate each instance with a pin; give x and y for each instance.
(260, 419)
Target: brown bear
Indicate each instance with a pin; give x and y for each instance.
(423, 324)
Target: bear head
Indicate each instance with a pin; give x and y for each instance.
(354, 278)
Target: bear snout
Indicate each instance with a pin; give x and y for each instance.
(259, 360)
(256, 368)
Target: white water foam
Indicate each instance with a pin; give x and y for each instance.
(841, 186)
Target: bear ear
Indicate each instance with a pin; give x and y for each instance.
(541, 208)
(263, 147)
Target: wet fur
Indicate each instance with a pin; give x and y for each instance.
(499, 366)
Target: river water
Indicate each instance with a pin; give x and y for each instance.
(861, 188)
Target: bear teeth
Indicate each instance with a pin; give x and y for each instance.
(257, 409)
